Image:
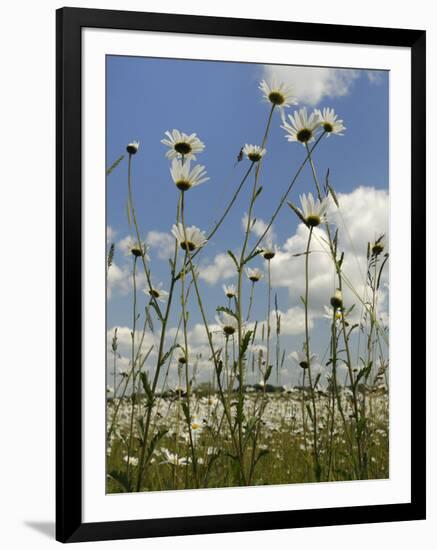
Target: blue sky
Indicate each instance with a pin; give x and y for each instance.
(221, 102)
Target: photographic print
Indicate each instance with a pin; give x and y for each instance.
(247, 271)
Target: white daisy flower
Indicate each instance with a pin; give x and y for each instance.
(278, 93)
(301, 127)
(228, 323)
(337, 300)
(377, 247)
(269, 251)
(173, 458)
(254, 152)
(254, 274)
(330, 122)
(313, 211)
(132, 147)
(195, 238)
(183, 178)
(230, 291)
(157, 292)
(301, 359)
(132, 460)
(182, 145)
(137, 249)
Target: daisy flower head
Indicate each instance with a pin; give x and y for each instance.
(190, 239)
(269, 251)
(277, 93)
(301, 127)
(132, 147)
(330, 122)
(337, 299)
(174, 459)
(184, 178)
(183, 145)
(230, 291)
(227, 322)
(313, 212)
(137, 249)
(377, 247)
(157, 292)
(301, 359)
(254, 152)
(254, 274)
(328, 314)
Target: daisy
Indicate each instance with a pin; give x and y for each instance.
(228, 323)
(301, 126)
(131, 460)
(377, 247)
(137, 249)
(254, 274)
(183, 178)
(301, 359)
(173, 458)
(132, 147)
(192, 239)
(157, 292)
(278, 93)
(337, 314)
(230, 291)
(269, 252)
(254, 152)
(330, 122)
(337, 300)
(182, 145)
(313, 211)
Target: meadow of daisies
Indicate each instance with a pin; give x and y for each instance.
(167, 427)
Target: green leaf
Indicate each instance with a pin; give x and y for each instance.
(233, 258)
(114, 165)
(227, 310)
(122, 479)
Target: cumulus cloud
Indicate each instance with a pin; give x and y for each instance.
(119, 280)
(292, 321)
(110, 234)
(313, 84)
(162, 243)
(258, 228)
(222, 267)
(361, 218)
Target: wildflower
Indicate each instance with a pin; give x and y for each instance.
(157, 292)
(191, 239)
(377, 247)
(132, 147)
(230, 291)
(301, 359)
(330, 122)
(313, 211)
(337, 299)
(328, 314)
(131, 460)
(183, 178)
(269, 252)
(278, 93)
(173, 458)
(137, 249)
(254, 152)
(254, 274)
(228, 323)
(301, 126)
(182, 145)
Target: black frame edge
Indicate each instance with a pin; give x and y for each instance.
(69, 526)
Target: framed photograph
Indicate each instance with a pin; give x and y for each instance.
(240, 274)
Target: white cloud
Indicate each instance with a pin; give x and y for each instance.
(120, 280)
(258, 228)
(222, 267)
(162, 242)
(110, 234)
(362, 217)
(292, 321)
(312, 84)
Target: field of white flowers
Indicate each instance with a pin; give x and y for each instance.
(229, 431)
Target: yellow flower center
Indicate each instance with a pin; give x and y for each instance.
(183, 148)
(304, 135)
(254, 157)
(183, 185)
(313, 220)
(276, 98)
(328, 127)
(191, 246)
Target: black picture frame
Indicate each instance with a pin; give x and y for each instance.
(69, 24)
